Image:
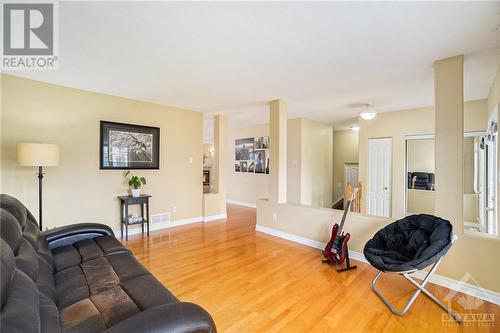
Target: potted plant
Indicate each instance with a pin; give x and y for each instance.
(135, 183)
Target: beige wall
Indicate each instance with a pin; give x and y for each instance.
(421, 202)
(471, 202)
(494, 95)
(294, 156)
(421, 155)
(245, 187)
(309, 163)
(345, 150)
(398, 125)
(316, 164)
(76, 190)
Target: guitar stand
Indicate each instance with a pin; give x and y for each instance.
(348, 263)
(348, 266)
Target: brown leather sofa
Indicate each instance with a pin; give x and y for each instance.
(80, 278)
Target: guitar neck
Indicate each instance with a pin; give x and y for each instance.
(346, 209)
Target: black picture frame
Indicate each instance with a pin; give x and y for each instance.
(140, 149)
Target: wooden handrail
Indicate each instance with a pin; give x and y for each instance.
(356, 203)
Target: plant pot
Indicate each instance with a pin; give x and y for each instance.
(136, 192)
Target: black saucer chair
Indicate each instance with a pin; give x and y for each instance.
(406, 246)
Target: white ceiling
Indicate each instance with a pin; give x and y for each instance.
(234, 57)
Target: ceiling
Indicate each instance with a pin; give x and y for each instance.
(234, 57)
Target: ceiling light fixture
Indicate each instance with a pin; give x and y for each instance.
(355, 128)
(368, 113)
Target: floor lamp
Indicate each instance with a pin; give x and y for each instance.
(38, 155)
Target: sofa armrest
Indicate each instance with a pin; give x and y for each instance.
(72, 233)
(172, 318)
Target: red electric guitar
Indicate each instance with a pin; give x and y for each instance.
(336, 249)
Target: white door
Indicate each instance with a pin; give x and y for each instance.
(351, 174)
(379, 176)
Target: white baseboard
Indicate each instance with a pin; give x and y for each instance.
(212, 218)
(158, 226)
(241, 203)
(460, 286)
(291, 237)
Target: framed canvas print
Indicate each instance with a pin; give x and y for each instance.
(244, 166)
(126, 146)
(261, 142)
(243, 149)
(260, 161)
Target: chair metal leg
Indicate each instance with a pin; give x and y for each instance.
(420, 288)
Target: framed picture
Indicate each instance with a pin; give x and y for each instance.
(244, 166)
(261, 142)
(251, 166)
(260, 161)
(243, 149)
(126, 146)
(252, 155)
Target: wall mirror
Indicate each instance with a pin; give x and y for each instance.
(420, 176)
(480, 157)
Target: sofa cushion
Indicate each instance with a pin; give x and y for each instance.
(22, 301)
(88, 249)
(27, 259)
(71, 286)
(14, 207)
(11, 230)
(100, 275)
(147, 292)
(81, 317)
(115, 305)
(45, 280)
(66, 256)
(8, 267)
(49, 315)
(125, 266)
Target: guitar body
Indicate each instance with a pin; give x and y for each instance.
(336, 249)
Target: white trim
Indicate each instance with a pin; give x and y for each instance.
(158, 226)
(420, 137)
(474, 133)
(241, 203)
(290, 237)
(469, 289)
(472, 290)
(212, 218)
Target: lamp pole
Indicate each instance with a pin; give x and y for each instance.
(38, 155)
(40, 177)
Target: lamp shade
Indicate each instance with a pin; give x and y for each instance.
(38, 154)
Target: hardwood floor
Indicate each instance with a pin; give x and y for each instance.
(253, 282)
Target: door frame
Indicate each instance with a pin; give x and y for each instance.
(390, 177)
